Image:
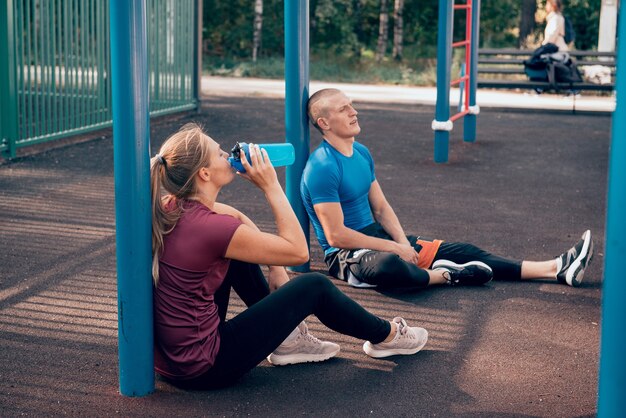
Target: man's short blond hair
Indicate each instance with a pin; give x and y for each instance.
(316, 107)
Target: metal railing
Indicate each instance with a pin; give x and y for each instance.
(57, 81)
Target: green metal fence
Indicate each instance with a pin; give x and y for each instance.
(56, 81)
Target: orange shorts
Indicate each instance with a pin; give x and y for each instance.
(427, 253)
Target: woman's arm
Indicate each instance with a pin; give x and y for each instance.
(286, 248)
(277, 274)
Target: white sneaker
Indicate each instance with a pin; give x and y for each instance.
(408, 340)
(302, 347)
(572, 264)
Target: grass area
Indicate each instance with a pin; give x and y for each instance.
(332, 68)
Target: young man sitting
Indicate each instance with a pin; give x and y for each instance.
(361, 235)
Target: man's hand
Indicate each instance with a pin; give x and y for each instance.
(407, 253)
(277, 277)
(402, 240)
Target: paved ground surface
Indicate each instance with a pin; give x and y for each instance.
(528, 188)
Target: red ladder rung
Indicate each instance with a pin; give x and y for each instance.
(459, 115)
(459, 80)
(467, 43)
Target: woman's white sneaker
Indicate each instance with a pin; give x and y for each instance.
(302, 347)
(408, 340)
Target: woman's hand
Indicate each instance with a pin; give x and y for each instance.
(261, 173)
(288, 247)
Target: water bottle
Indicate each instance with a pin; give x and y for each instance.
(279, 154)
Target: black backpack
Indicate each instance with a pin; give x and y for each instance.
(536, 66)
(565, 71)
(570, 34)
(546, 64)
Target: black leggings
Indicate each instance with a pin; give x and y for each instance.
(388, 270)
(251, 336)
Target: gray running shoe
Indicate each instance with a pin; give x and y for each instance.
(408, 340)
(572, 264)
(302, 348)
(474, 273)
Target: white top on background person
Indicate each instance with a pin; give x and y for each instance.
(555, 25)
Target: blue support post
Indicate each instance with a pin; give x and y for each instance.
(612, 384)
(442, 124)
(469, 120)
(129, 68)
(461, 88)
(296, 97)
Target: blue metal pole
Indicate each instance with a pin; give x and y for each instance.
(469, 120)
(129, 68)
(296, 97)
(444, 58)
(461, 88)
(612, 384)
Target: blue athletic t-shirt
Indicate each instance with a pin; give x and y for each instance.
(330, 176)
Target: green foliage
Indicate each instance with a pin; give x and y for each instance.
(420, 28)
(344, 34)
(329, 32)
(499, 21)
(585, 15)
(328, 67)
(227, 29)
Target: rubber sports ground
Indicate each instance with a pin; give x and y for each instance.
(530, 185)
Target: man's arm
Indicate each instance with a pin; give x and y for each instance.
(340, 236)
(385, 215)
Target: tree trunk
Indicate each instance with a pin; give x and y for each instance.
(398, 29)
(527, 21)
(257, 28)
(357, 6)
(382, 31)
